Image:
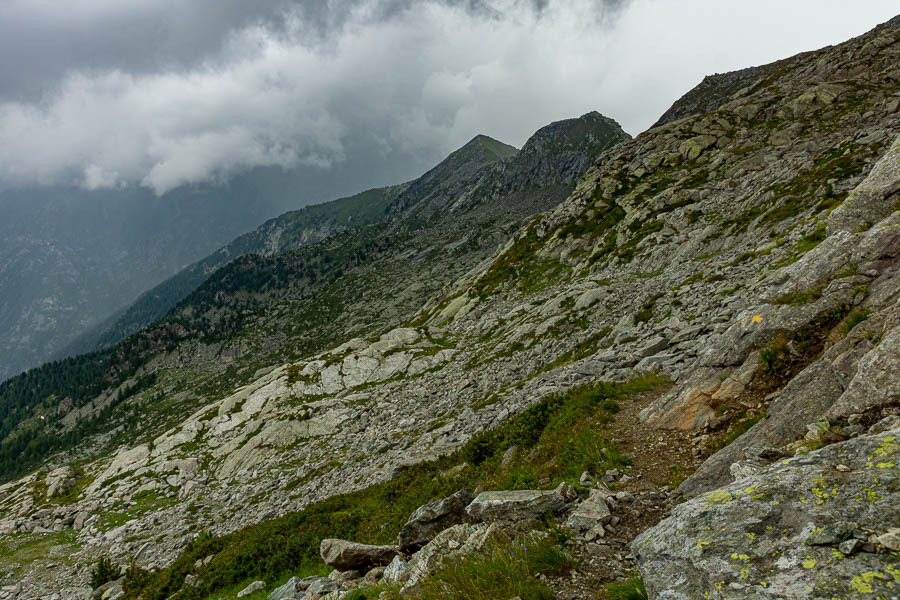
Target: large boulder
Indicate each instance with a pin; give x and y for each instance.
(807, 527)
(873, 199)
(347, 556)
(515, 505)
(429, 520)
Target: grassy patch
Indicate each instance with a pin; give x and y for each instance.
(584, 348)
(521, 267)
(799, 298)
(811, 240)
(740, 428)
(646, 311)
(855, 318)
(633, 589)
(506, 569)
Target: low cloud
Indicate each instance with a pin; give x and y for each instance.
(419, 78)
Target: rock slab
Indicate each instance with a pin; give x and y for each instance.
(783, 533)
(515, 505)
(347, 556)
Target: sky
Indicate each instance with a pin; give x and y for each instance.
(164, 93)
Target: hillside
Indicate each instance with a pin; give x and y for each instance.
(688, 360)
(293, 298)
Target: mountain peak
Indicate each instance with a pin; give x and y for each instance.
(485, 144)
(591, 128)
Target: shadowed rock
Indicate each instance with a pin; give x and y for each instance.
(344, 555)
(429, 520)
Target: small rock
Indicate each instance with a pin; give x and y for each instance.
(831, 534)
(566, 492)
(850, 547)
(374, 575)
(509, 457)
(321, 586)
(891, 539)
(429, 520)
(590, 513)
(288, 591)
(251, 589)
(344, 576)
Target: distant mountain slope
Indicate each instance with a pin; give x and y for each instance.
(289, 231)
(71, 258)
(290, 298)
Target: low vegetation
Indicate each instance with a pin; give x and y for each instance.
(506, 569)
(633, 589)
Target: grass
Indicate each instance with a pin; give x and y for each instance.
(775, 356)
(800, 297)
(505, 569)
(633, 589)
(811, 240)
(742, 427)
(855, 318)
(559, 437)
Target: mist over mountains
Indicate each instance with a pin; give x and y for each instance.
(71, 258)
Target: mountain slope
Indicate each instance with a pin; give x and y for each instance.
(259, 310)
(750, 254)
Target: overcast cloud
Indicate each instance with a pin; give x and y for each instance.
(160, 93)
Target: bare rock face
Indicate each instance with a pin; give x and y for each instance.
(431, 519)
(814, 526)
(515, 505)
(346, 556)
(60, 481)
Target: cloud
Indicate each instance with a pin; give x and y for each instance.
(415, 78)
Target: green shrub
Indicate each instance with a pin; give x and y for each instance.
(800, 297)
(775, 356)
(811, 240)
(104, 572)
(742, 426)
(855, 318)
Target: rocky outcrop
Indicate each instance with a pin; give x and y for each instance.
(515, 505)
(347, 556)
(429, 520)
(813, 526)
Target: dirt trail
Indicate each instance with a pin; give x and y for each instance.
(659, 460)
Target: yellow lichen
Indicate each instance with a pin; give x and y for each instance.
(894, 572)
(862, 582)
(719, 497)
(809, 563)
